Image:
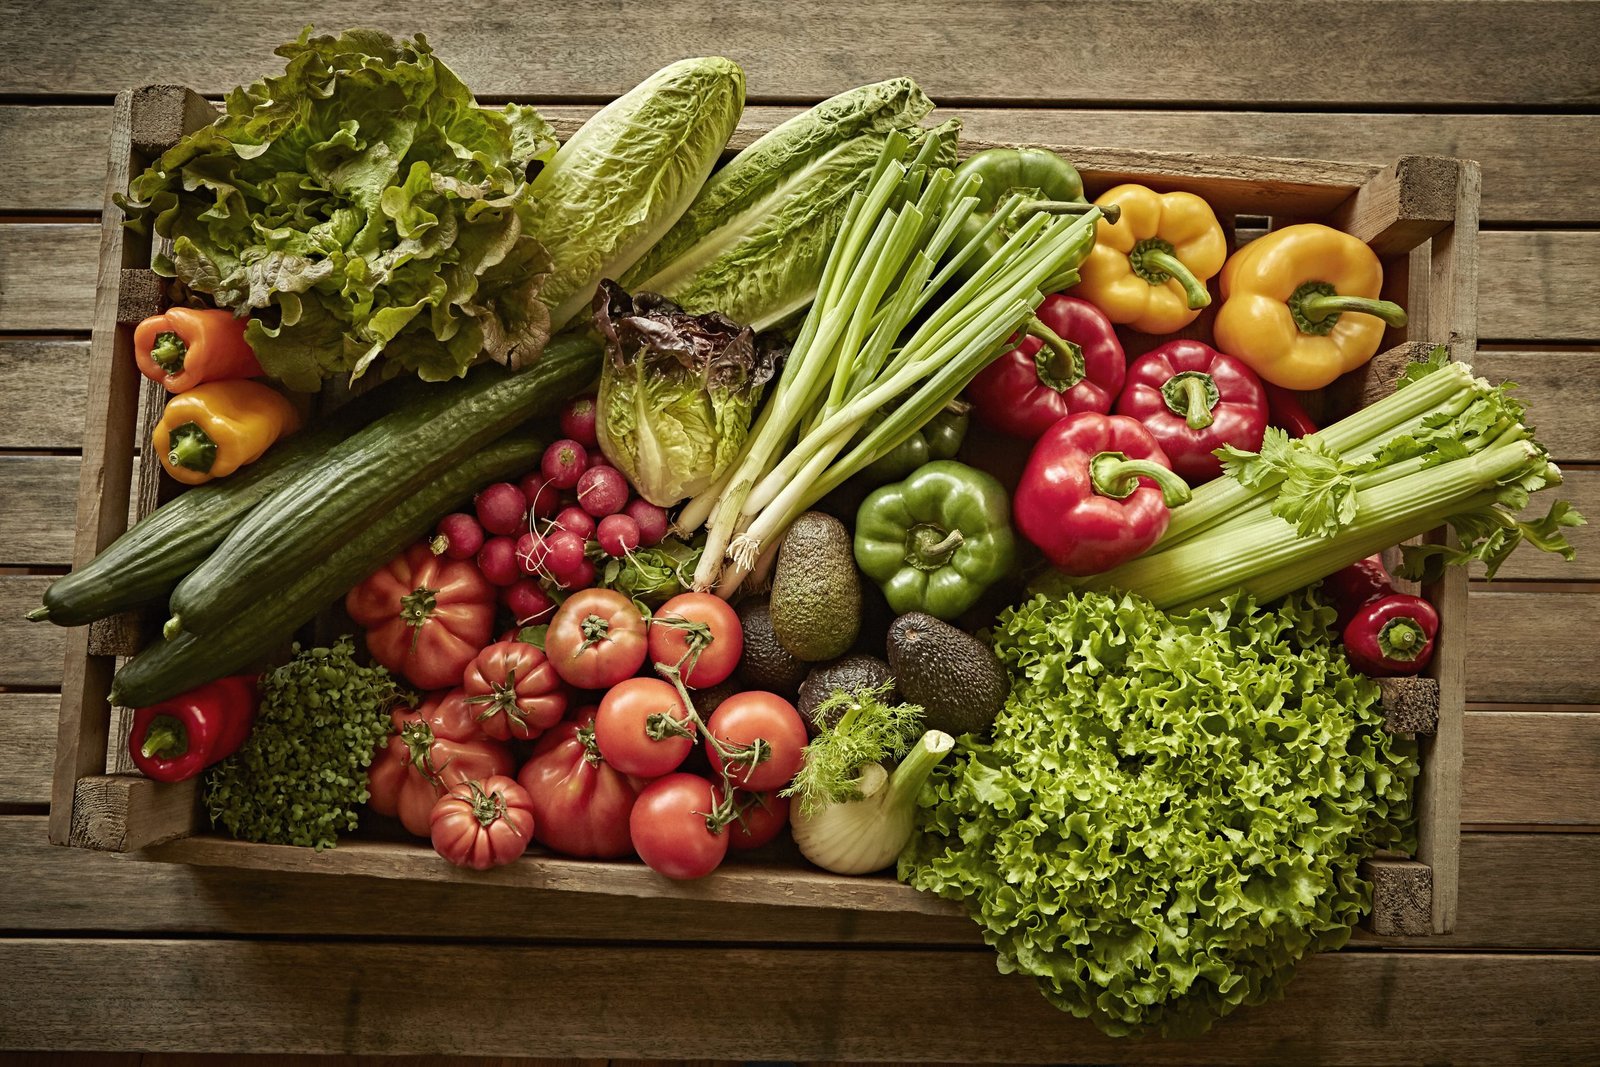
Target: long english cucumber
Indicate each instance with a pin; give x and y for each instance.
(180, 663)
(148, 560)
(368, 473)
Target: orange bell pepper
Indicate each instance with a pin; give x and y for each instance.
(1300, 305)
(217, 427)
(1149, 269)
(183, 347)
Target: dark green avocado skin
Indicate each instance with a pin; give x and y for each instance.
(954, 676)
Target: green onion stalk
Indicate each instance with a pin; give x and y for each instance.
(893, 256)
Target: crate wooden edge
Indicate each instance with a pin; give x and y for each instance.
(1426, 205)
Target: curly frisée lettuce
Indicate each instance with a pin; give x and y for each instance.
(361, 206)
(677, 392)
(1172, 809)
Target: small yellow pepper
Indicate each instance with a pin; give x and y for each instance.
(1300, 305)
(217, 427)
(1149, 269)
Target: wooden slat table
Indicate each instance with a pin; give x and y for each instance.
(123, 954)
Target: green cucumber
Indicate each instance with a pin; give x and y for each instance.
(181, 663)
(148, 560)
(368, 473)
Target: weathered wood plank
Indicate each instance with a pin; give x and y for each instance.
(861, 1004)
(1532, 647)
(49, 271)
(33, 651)
(27, 745)
(44, 887)
(1535, 166)
(1423, 51)
(1524, 768)
(43, 386)
(1535, 284)
(41, 493)
(1533, 281)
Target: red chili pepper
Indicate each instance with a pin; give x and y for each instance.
(178, 738)
(1360, 583)
(1071, 361)
(1193, 400)
(1392, 636)
(1286, 413)
(1095, 492)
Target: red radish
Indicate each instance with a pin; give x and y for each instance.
(501, 508)
(544, 499)
(576, 520)
(651, 519)
(602, 491)
(527, 601)
(618, 535)
(497, 561)
(460, 536)
(577, 421)
(563, 556)
(583, 576)
(532, 550)
(562, 462)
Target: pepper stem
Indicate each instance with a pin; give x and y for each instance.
(1192, 394)
(190, 447)
(1155, 261)
(1114, 475)
(1316, 307)
(930, 547)
(168, 352)
(1110, 212)
(165, 739)
(1059, 362)
(1402, 640)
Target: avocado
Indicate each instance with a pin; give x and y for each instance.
(851, 674)
(766, 664)
(954, 676)
(816, 592)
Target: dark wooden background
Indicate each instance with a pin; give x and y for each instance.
(104, 952)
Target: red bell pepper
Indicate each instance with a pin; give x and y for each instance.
(177, 739)
(1095, 492)
(1349, 588)
(432, 750)
(1285, 411)
(1193, 400)
(1392, 636)
(1074, 363)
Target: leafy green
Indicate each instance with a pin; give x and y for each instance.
(619, 183)
(858, 727)
(754, 242)
(1172, 810)
(359, 206)
(301, 775)
(676, 392)
(651, 575)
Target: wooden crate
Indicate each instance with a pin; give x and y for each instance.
(1419, 214)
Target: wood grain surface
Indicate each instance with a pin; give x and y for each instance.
(315, 963)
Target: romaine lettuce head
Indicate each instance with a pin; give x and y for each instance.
(1172, 810)
(361, 206)
(754, 242)
(677, 392)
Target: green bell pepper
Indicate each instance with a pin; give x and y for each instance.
(939, 438)
(937, 540)
(1050, 183)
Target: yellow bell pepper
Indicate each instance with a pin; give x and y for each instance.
(1149, 269)
(1301, 306)
(217, 427)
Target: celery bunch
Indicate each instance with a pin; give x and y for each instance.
(1444, 447)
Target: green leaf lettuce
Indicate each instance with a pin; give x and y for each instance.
(1172, 810)
(361, 207)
